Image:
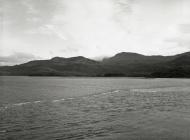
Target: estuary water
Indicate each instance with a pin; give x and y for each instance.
(60, 108)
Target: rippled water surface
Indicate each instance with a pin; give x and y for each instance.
(56, 108)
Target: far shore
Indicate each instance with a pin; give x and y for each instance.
(135, 77)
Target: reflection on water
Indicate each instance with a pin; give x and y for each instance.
(132, 113)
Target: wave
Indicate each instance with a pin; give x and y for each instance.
(54, 101)
(3, 131)
(143, 90)
(33, 102)
(37, 102)
(110, 92)
(20, 104)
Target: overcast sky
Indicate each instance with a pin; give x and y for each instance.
(41, 29)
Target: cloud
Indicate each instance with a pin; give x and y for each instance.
(55, 31)
(27, 14)
(93, 28)
(181, 40)
(184, 28)
(16, 58)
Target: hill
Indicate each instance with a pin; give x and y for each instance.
(122, 64)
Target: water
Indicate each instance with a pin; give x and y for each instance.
(56, 108)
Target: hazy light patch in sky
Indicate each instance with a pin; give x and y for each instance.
(93, 28)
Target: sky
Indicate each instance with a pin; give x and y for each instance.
(42, 29)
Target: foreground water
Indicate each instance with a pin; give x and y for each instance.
(55, 108)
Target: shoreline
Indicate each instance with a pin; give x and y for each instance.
(97, 77)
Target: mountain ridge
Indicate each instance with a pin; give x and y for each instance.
(121, 64)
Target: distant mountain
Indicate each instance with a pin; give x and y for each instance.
(57, 66)
(133, 64)
(122, 64)
(179, 66)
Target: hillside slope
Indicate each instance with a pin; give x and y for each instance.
(122, 64)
